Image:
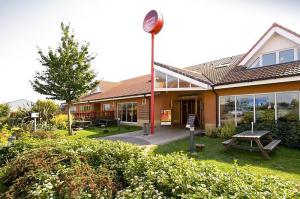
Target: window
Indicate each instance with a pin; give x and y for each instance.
(183, 84)
(73, 109)
(269, 59)
(286, 56)
(288, 106)
(172, 82)
(265, 107)
(256, 63)
(244, 109)
(227, 109)
(160, 80)
(127, 112)
(85, 108)
(106, 107)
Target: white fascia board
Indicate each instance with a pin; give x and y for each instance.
(181, 89)
(259, 82)
(182, 77)
(111, 99)
(274, 30)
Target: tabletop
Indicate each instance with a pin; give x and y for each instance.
(250, 134)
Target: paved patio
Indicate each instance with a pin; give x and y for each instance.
(161, 136)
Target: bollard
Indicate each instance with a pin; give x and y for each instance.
(192, 139)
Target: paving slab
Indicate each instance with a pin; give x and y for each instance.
(161, 136)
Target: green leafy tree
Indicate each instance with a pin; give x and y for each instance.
(68, 74)
(46, 109)
(4, 113)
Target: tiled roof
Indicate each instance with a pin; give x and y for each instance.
(216, 70)
(242, 74)
(136, 86)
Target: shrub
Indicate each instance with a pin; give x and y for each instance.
(227, 130)
(60, 121)
(211, 132)
(85, 168)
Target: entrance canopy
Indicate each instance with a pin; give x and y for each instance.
(174, 79)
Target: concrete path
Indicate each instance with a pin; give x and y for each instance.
(161, 136)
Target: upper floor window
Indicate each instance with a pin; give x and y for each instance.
(278, 57)
(286, 56)
(269, 59)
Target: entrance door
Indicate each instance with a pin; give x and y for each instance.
(187, 107)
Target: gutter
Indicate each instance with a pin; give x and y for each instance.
(217, 105)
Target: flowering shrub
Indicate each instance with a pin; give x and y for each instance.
(105, 169)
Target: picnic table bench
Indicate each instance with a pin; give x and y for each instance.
(253, 136)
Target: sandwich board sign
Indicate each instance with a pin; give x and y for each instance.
(190, 120)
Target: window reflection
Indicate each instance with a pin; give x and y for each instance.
(288, 106)
(227, 109)
(172, 82)
(264, 107)
(160, 80)
(269, 59)
(286, 56)
(244, 109)
(183, 84)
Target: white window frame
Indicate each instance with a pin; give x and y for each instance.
(126, 122)
(277, 57)
(104, 108)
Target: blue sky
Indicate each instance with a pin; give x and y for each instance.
(194, 32)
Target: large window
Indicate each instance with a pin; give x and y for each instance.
(244, 109)
(288, 106)
(269, 59)
(166, 81)
(172, 82)
(265, 107)
(160, 79)
(286, 56)
(268, 107)
(106, 107)
(278, 57)
(227, 109)
(127, 112)
(85, 108)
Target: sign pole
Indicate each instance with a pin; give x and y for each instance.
(152, 84)
(153, 23)
(35, 124)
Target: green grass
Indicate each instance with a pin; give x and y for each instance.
(284, 163)
(95, 132)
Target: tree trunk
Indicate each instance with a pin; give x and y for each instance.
(69, 120)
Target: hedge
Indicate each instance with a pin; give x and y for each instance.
(106, 169)
(288, 132)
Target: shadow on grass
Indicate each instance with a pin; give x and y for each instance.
(285, 161)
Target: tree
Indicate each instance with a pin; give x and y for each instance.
(46, 109)
(4, 113)
(68, 74)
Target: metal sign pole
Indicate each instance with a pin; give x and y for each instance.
(152, 84)
(35, 124)
(153, 23)
(192, 139)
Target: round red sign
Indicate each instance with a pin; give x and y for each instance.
(153, 22)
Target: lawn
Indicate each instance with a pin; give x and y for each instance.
(284, 162)
(95, 132)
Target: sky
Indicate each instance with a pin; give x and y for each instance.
(195, 31)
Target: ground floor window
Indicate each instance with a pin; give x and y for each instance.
(127, 112)
(85, 108)
(227, 109)
(266, 107)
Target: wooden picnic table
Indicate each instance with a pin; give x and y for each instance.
(253, 136)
